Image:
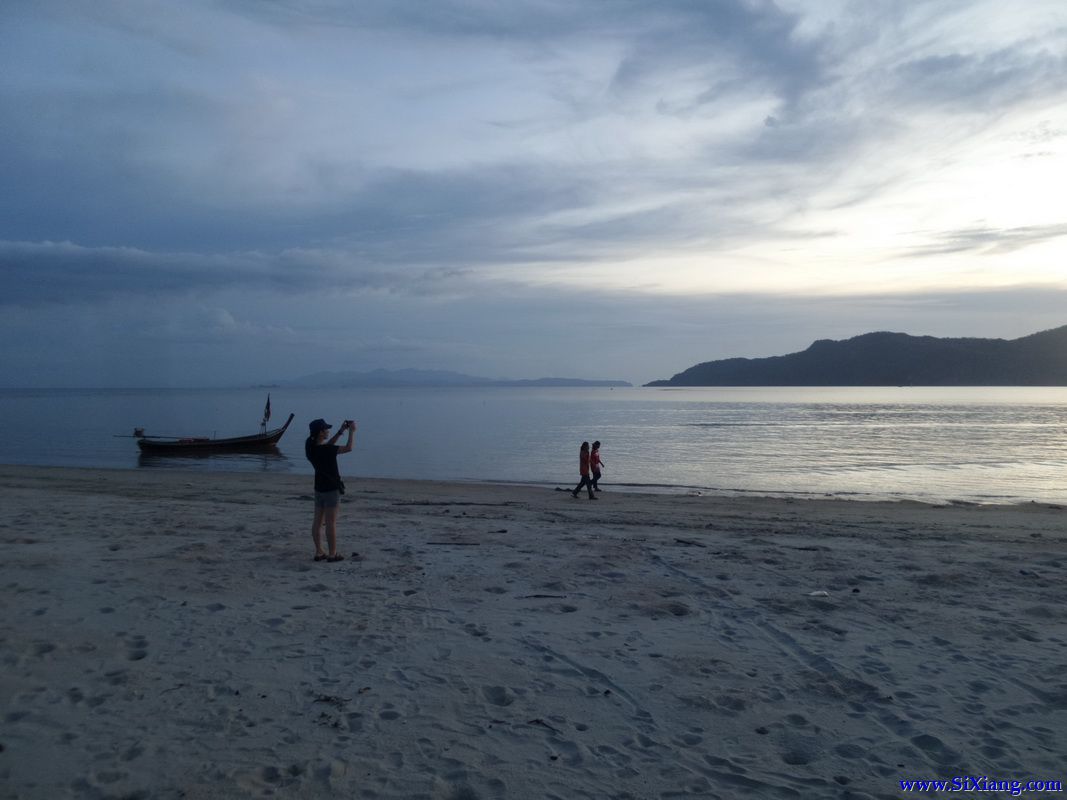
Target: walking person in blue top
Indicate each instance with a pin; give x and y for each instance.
(328, 484)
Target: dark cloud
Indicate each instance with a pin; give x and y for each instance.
(64, 273)
(401, 231)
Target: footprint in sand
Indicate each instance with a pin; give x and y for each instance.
(729, 705)
(498, 695)
(850, 751)
(477, 631)
(136, 648)
(937, 750)
(117, 677)
(796, 758)
(688, 740)
(108, 777)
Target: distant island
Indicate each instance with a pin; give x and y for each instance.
(896, 359)
(380, 378)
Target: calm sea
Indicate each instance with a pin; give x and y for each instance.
(985, 445)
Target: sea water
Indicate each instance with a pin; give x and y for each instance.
(984, 445)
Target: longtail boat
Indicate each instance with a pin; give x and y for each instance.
(174, 445)
(203, 444)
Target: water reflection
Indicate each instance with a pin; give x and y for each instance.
(268, 460)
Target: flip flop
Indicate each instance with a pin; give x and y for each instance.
(322, 557)
(335, 558)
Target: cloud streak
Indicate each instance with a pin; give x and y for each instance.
(990, 241)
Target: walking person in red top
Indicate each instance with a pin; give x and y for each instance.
(583, 468)
(595, 464)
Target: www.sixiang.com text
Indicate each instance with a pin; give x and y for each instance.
(1013, 788)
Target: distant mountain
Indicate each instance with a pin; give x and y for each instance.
(896, 359)
(425, 377)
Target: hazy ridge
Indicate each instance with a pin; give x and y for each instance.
(428, 378)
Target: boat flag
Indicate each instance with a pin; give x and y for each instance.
(266, 411)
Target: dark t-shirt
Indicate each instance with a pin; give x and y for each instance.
(323, 458)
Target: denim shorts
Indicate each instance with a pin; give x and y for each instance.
(327, 499)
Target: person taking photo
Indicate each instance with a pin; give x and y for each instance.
(328, 484)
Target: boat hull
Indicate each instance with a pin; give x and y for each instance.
(239, 444)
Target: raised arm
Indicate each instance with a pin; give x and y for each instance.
(347, 446)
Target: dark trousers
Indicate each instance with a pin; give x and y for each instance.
(587, 482)
(596, 479)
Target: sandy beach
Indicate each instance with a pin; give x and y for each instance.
(166, 634)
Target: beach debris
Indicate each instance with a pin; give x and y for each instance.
(451, 503)
(339, 702)
(328, 720)
(542, 724)
(819, 593)
(468, 544)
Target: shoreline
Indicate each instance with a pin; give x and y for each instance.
(168, 635)
(657, 489)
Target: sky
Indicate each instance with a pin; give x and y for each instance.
(234, 193)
